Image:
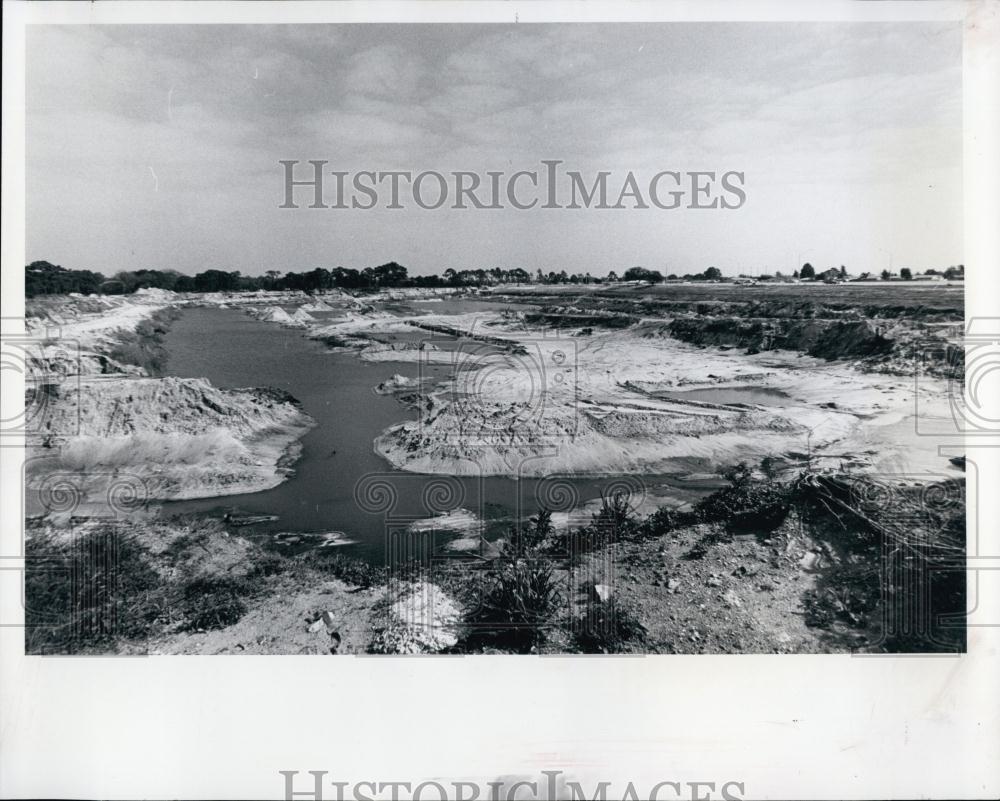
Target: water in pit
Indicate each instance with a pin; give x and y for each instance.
(340, 483)
(755, 396)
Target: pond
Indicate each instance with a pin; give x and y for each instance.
(757, 396)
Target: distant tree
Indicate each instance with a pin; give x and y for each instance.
(43, 278)
(931, 271)
(346, 278)
(216, 281)
(886, 275)
(906, 274)
(642, 274)
(795, 273)
(612, 277)
(843, 271)
(672, 277)
(712, 274)
(807, 271)
(391, 274)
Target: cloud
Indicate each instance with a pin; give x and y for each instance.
(799, 107)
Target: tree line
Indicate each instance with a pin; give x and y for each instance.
(43, 278)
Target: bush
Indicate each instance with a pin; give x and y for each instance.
(665, 520)
(616, 516)
(902, 577)
(518, 603)
(614, 522)
(215, 602)
(607, 628)
(746, 504)
(530, 538)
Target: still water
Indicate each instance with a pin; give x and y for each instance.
(340, 483)
(758, 396)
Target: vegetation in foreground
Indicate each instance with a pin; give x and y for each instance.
(855, 557)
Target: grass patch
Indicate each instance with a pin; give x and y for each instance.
(212, 602)
(89, 593)
(348, 569)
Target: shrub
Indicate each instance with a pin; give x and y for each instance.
(607, 627)
(615, 521)
(215, 602)
(905, 548)
(665, 520)
(530, 538)
(519, 601)
(616, 516)
(746, 504)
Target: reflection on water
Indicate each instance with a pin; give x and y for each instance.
(340, 483)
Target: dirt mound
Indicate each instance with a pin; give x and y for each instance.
(124, 406)
(177, 438)
(827, 339)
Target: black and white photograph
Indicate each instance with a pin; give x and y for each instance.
(425, 337)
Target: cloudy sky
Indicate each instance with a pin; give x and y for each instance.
(158, 146)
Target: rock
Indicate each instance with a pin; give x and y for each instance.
(810, 560)
(673, 585)
(731, 599)
(603, 592)
(328, 621)
(316, 625)
(713, 581)
(422, 618)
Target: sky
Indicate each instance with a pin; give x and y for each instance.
(158, 146)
